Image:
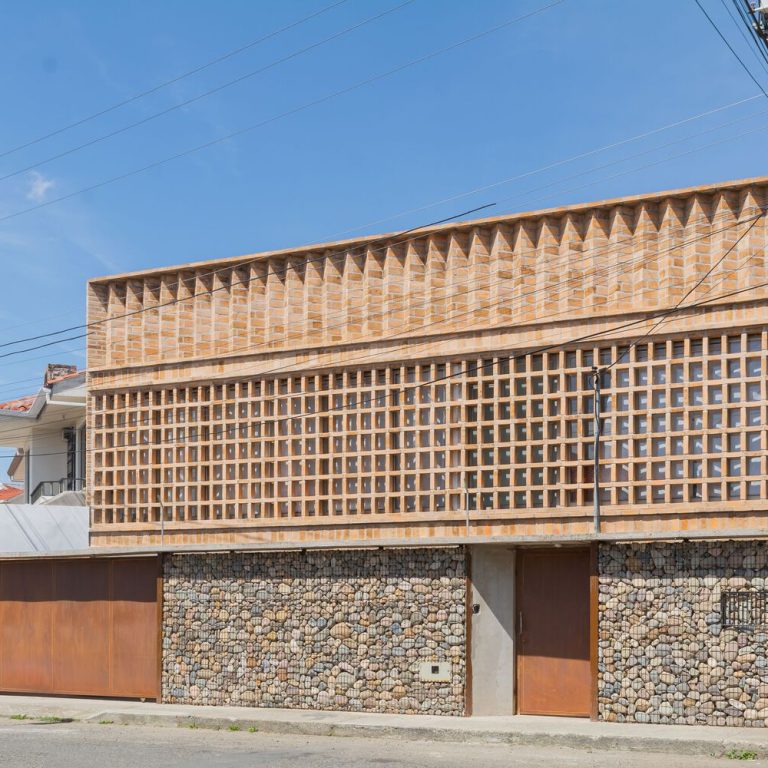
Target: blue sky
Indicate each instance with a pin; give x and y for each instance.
(576, 77)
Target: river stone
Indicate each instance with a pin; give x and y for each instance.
(315, 630)
(663, 654)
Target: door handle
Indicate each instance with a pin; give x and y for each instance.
(520, 623)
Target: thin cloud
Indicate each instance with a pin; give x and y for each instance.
(39, 187)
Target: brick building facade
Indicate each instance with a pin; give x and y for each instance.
(433, 390)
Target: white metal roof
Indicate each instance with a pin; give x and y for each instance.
(42, 528)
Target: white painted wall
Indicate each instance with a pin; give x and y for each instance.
(493, 630)
(48, 459)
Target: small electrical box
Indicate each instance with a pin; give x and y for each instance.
(435, 672)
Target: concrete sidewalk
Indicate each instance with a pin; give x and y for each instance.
(520, 730)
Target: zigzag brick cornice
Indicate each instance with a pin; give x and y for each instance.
(603, 258)
(643, 252)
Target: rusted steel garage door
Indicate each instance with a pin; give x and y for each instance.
(80, 627)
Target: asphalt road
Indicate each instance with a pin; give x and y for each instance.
(86, 745)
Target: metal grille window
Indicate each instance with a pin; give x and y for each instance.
(744, 610)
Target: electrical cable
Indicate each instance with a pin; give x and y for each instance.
(486, 364)
(585, 256)
(474, 310)
(205, 94)
(230, 266)
(687, 294)
(731, 48)
(283, 115)
(556, 164)
(751, 23)
(553, 268)
(495, 184)
(172, 81)
(692, 151)
(682, 140)
(601, 272)
(260, 258)
(748, 39)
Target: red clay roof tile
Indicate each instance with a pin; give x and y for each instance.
(20, 404)
(8, 492)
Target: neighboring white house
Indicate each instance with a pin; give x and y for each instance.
(47, 429)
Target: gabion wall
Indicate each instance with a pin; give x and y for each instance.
(342, 630)
(665, 656)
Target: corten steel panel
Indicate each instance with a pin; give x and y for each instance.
(553, 611)
(135, 627)
(25, 626)
(80, 627)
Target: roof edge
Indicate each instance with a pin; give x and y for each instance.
(150, 550)
(336, 244)
(16, 461)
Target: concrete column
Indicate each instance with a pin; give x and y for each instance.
(493, 630)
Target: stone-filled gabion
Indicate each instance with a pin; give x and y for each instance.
(343, 630)
(664, 656)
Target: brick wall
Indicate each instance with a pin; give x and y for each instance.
(225, 408)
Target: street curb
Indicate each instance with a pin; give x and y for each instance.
(603, 743)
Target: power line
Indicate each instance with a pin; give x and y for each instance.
(584, 257)
(529, 252)
(389, 239)
(173, 80)
(79, 352)
(487, 364)
(603, 272)
(501, 182)
(489, 186)
(553, 270)
(464, 194)
(493, 363)
(662, 160)
(732, 49)
(683, 140)
(553, 165)
(216, 141)
(284, 271)
(42, 346)
(283, 115)
(159, 306)
(754, 20)
(687, 294)
(230, 430)
(229, 267)
(745, 36)
(205, 94)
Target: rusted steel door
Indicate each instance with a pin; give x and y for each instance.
(80, 627)
(553, 660)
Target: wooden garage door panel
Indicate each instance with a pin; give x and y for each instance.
(554, 672)
(81, 627)
(134, 609)
(25, 623)
(84, 627)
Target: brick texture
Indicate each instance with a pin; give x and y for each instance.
(193, 404)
